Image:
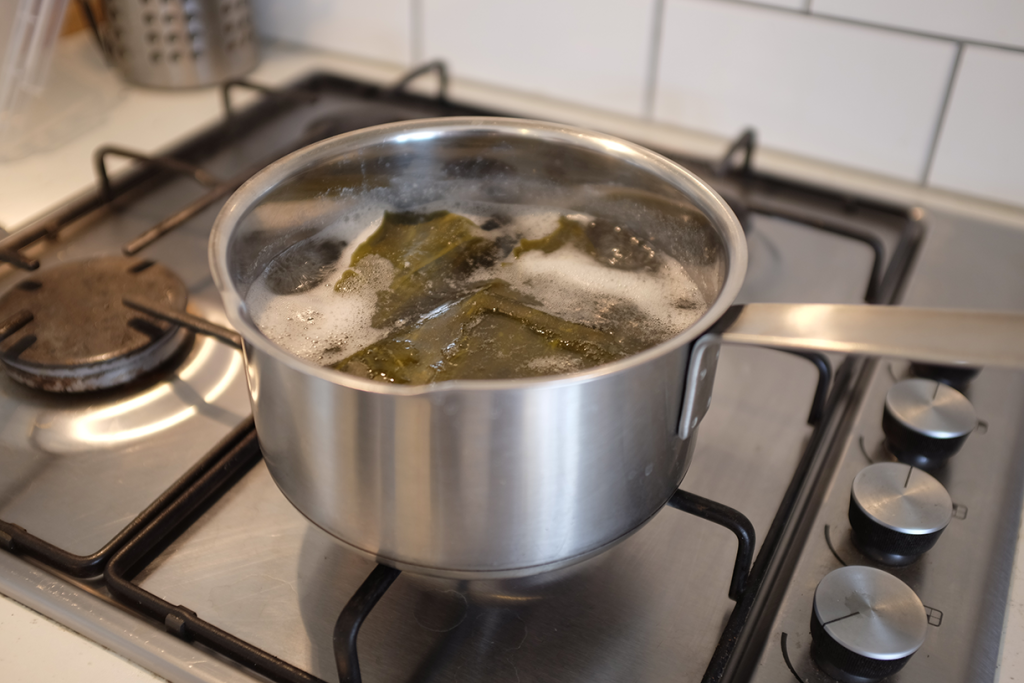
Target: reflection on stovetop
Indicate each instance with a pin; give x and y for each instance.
(77, 469)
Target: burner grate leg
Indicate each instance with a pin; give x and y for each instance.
(346, 629)
(734, 521)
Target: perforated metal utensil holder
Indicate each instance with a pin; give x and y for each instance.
(180, 43)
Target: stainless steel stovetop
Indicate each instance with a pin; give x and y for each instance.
(109, 480)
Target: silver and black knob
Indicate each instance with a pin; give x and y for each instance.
(865, 625)
(957, 376)
(897, 512)
(926, 422)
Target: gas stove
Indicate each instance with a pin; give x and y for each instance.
(140, 512)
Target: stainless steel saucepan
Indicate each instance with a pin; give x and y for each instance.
(513, 477)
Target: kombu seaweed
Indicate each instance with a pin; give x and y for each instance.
(433, 254)
(448, 326)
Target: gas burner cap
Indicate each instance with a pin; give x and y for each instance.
(67, 330)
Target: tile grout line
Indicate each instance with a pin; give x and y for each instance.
(415, 31)
(810, 13)
(653, 60)
(930, 160)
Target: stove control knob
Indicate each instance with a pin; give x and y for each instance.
(957, 376)
(897, 512)
(865, 624)
(926, 422)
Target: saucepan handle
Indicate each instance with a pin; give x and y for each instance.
(925, 335)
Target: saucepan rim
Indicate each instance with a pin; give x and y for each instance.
(249, 195)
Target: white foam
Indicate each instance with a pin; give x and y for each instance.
(322, 325)
(572, 285)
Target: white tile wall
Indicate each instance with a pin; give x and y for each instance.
(981, 146)
(565, 49)
(380, 30)
(987, 21)
(859, 96)
(861, 83)
(798, 5)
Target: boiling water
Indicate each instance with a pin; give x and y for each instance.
(324, 326)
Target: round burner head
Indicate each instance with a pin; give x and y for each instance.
(65, 328)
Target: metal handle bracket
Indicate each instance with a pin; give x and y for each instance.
(700, 378)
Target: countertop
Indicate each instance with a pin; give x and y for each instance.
(32, 647)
